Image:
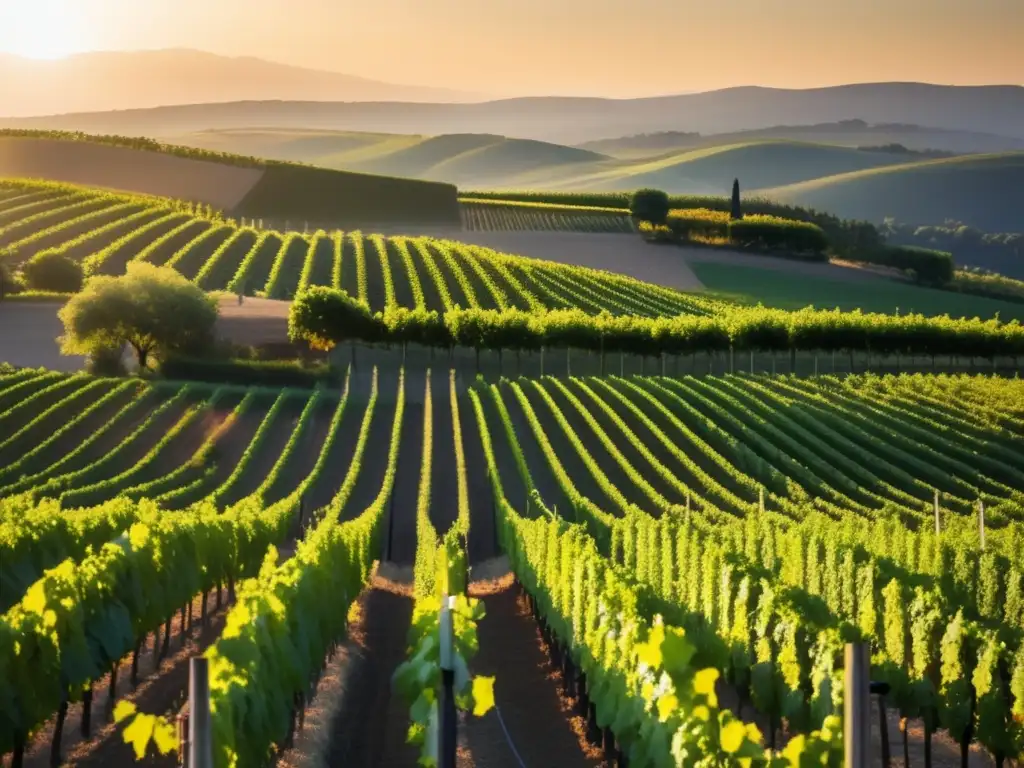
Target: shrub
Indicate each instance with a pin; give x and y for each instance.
(53, 271)
(649, 205)
(800, 238)
(980, 282)
(268, 373)
(929, 267)
(685, 223)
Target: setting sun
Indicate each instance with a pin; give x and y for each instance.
(41, 29)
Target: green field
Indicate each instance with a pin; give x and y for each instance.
(791, 290)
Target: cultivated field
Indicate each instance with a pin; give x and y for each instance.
(667, 476)
(671, 542)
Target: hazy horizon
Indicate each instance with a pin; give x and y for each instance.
(579, 48)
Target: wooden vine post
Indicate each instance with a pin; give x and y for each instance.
(856, 706)
(200, 730)
(447, 734)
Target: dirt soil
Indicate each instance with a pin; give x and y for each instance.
(533, 723)
(369, 724)
(129, 170)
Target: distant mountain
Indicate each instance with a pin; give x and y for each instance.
(116, 80)
(850, 133)
(983, 109)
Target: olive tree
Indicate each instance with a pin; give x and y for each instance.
(154, 310)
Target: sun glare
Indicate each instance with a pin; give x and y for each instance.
(39, 29)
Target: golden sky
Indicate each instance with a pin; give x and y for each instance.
(591, 47)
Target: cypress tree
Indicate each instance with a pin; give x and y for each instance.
(735, 211)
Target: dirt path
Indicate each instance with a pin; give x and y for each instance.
(369, 727)
(228, 452)
(407, 482)
(339, 457)
(269, 451)
(482, 534)
(34, 343)
(531, 717)
(306, 452)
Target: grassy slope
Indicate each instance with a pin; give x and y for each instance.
(286, 189)
(982, 190)
(786, 290)
(710, 170)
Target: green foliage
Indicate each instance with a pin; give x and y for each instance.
(142, 729)
(685, 223)
(771, 233)
(83, 616)
(650, 205)
(325, 317)
(264, 373)
(928, 266)
(280, 630)
(52, 271)
(418, 678)
(735, 209)
(509, 215)
(154, 310)
(289, 191)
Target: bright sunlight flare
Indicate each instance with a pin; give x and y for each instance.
(40, 29)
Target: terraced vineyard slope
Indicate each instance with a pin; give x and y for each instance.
(225, 254)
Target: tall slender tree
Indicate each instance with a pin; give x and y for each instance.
(735, 211)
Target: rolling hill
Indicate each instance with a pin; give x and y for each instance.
(711, 170)
(482, 161)
(987, 109)
(115, 80)
(985, 191)
(474, 160)
(849, 133)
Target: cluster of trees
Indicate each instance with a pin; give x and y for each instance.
(809, 237)
(999, 251)
(325, 317)
(766, 233)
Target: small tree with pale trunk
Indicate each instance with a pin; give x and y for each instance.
(154, 310)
